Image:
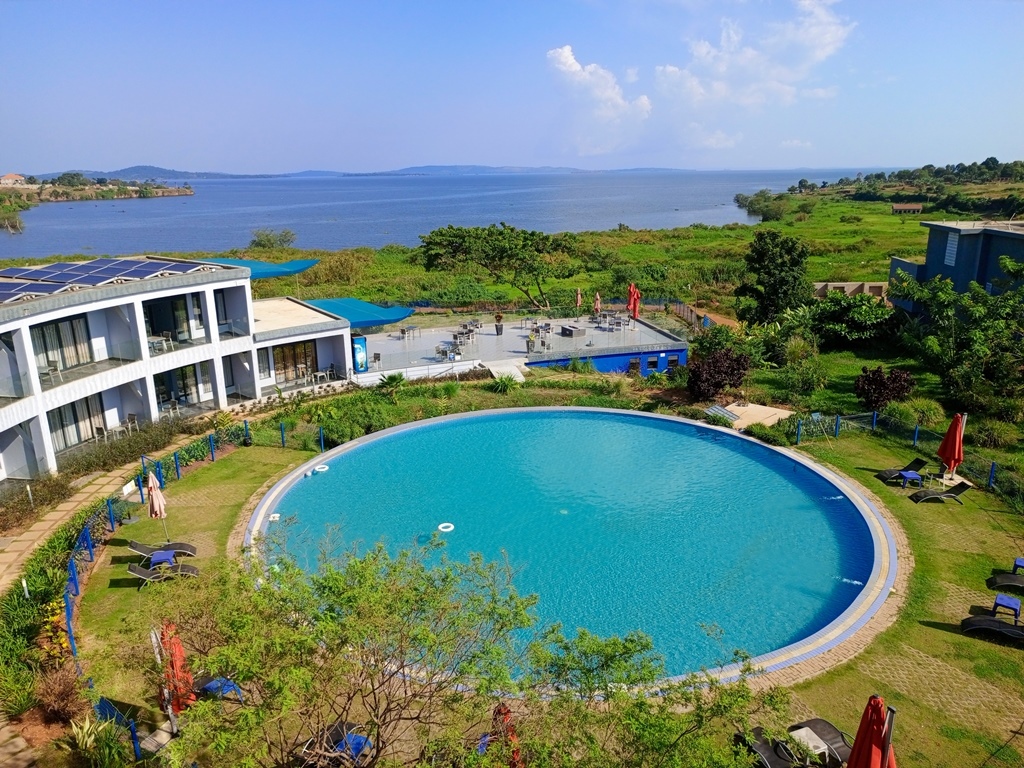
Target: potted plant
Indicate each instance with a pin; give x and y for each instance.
(498, 326)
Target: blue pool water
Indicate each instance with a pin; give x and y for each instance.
(617, 521)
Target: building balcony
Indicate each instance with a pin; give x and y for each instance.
(233, 329)
(120, 355)
(165, 342)
(14, 388)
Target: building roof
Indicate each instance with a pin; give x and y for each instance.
(12, 176)
(261, 269)
(275, 315)
(362, 314)
(970, 227)
(30, 282)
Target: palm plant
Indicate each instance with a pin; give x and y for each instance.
(391, 385)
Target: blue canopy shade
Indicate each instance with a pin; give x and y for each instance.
(266, 269)
(361, 314)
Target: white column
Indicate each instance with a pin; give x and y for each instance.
(220, 396)
(41, 438)
(26, 360)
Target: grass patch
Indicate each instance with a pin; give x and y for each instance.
(202, 508)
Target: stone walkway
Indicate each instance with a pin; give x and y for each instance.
(14, 750)
(19, 548)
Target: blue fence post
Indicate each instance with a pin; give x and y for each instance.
(838, 417)
(213, 453)
(799, 429)
(68, 616)
(874, 420)
(73, 574)
(282, 434)
(177, 466)
(87, 535)
(160, 473)
(321, 439)
(992, 475)
(110, 515)
(138, 483)
(143, 460)
(917, 431)
(135, 740)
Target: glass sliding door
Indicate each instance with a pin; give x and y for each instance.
(294, 362)
(64, 344)
(75, 422)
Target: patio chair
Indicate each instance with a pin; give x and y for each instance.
(131, 421)
(341, 744)
(770, 753)
(936, 494)
(149, 575)
(168, 339)
(177, 547)
(839, 742)
(992, 624)
(891, 474)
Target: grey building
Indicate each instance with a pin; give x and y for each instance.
(965, 251)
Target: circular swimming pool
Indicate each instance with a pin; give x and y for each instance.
(618, 521)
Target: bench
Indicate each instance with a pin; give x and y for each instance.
(573, 330)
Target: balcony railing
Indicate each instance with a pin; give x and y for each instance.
(233, 329)
(164, 343)
(14, 388)
(119, 355)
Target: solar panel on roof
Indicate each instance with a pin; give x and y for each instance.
(13, 271)
(92, 280)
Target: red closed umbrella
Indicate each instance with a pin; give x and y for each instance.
(178, 679)
(873, 743)
(951, 451)
(634, 301)
(597, 303)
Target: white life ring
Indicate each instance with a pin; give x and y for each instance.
(320, 468)
(446, 527)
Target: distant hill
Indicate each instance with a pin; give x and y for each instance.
(143, 172)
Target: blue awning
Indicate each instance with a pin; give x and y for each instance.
(266, 269)
(361, 314)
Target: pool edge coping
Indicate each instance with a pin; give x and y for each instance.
(799, 660)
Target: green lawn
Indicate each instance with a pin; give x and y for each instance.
(202, 509)
(957, 696)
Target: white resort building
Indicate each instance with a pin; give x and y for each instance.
(90, 350)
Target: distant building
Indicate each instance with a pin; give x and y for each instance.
(965, 251)
(11, 180)
(907, 208)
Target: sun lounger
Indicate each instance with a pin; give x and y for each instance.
(839, 742)
(770, 753)
(338, 745)
(177, 547)
(935, 494)
(159, 574)
(891, 474)
(992, 624)
(1003, 580)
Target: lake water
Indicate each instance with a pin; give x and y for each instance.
(342, 212)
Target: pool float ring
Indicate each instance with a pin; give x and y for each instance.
(446, 527)
(320, 468)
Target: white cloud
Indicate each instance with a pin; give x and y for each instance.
(720, 140)
(632, 74)
(767, 70)
(795, 144)
(607, 119)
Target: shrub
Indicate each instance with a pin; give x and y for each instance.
(716, 420)
(992, 434)
(655, 380)
(927, 413)
(581, 366)
(851, 219)
(899, 412)
(876, 388)
(690, 412)
(766, 434)
(805, 375)
(504, 384)
(61, 693)
(713, 374)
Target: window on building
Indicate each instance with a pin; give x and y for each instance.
(673, 362)
(952, 242)
(652, 363)
(263, 361)
(218, 303)
(634, 365)
(205, 387)
(75, 422)
(229, 374)
(197, 310)
(294, 361)
(64, 344)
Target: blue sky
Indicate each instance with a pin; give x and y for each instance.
(255, 86)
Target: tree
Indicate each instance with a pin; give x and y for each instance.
(264, 239)
(778, 264)
(970, 339)
(72, 180)
(519, 258)
(399, 645)
(840, 320)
